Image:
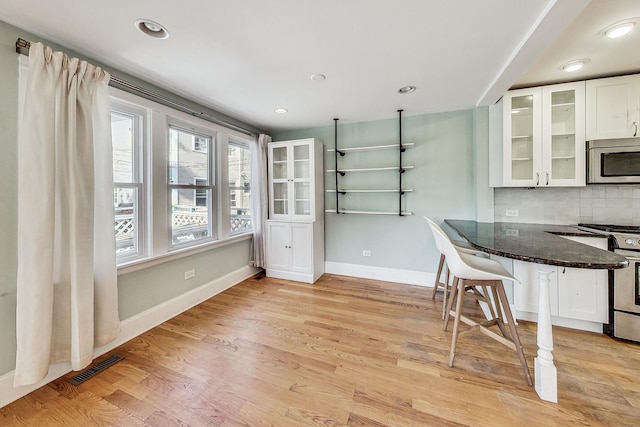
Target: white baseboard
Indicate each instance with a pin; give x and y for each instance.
(131, 328)
(583, 325)
(411, 277)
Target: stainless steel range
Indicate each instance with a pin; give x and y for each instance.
(624, 287)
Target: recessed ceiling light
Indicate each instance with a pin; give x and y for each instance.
(574, 65)
(619, 30)
(151, 28)
(281, 110)
(318, 77)
(407, 89)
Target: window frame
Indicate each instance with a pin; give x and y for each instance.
(139, 177)
(155, 194)
(210, 188)
(242, 144)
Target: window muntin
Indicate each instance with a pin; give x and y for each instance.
(127, 130)
(200, 193)
(190, 185)
(239, 167)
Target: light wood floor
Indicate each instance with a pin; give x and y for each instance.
(344, 351)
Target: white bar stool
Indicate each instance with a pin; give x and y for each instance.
(470, 272)
(446, 285)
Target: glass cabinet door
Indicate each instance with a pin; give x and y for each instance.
(563, 134)
(522, 137)
(301, 179)
(279, 163)
(280, 198)
(291, 180)
(301, 161)
(279, 172)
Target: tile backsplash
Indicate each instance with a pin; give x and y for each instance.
(612, 204)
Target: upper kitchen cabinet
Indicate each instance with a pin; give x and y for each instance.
(543, 139)
(295, 180)
(613, 107)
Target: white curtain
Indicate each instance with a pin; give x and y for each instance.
(260, 197)
(67, 280)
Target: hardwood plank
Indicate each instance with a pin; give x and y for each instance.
(342, 352)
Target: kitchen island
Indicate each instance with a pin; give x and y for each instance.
(540, 244)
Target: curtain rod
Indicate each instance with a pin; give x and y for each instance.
(22, 47)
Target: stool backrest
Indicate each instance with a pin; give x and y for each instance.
(466, 266)
(443, 243)
(436, 239)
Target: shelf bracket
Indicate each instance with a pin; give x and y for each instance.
(336, 152)
(401, 150)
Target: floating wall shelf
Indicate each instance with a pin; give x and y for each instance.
(399, 168)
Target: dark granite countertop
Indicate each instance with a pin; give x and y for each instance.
(537, 243)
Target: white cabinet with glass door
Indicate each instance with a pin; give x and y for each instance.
(544, 137)
(292, 180)
(295, 230)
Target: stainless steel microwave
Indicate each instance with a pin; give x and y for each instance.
(613, 161)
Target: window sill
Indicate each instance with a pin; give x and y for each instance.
(141, 264)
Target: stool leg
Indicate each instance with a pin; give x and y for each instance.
(487, 300)
(437, 281)
(456, 323)
(504, 302)
(499, 309)
(447, 290)
(452, 297)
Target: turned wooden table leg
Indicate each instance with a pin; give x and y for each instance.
(546, 374)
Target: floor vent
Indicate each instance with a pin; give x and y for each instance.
(95, 369)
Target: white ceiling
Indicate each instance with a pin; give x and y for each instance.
(247, 57)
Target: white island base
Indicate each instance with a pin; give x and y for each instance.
(545, 372)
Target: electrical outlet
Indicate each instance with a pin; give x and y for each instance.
(512, 232)
(189, 274)
(366, 253)
(512, 212)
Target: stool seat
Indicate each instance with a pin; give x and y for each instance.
(470, 273)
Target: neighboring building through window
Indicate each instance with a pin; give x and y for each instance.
(200, 144)
(239, 164)
(190, 186)
(127, 129)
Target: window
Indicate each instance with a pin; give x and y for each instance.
(190, 187)
(127, 128)
(179, 185)
(239, 164)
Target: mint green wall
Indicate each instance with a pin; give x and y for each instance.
(139, 290)
(447, 182)
(8, 192)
